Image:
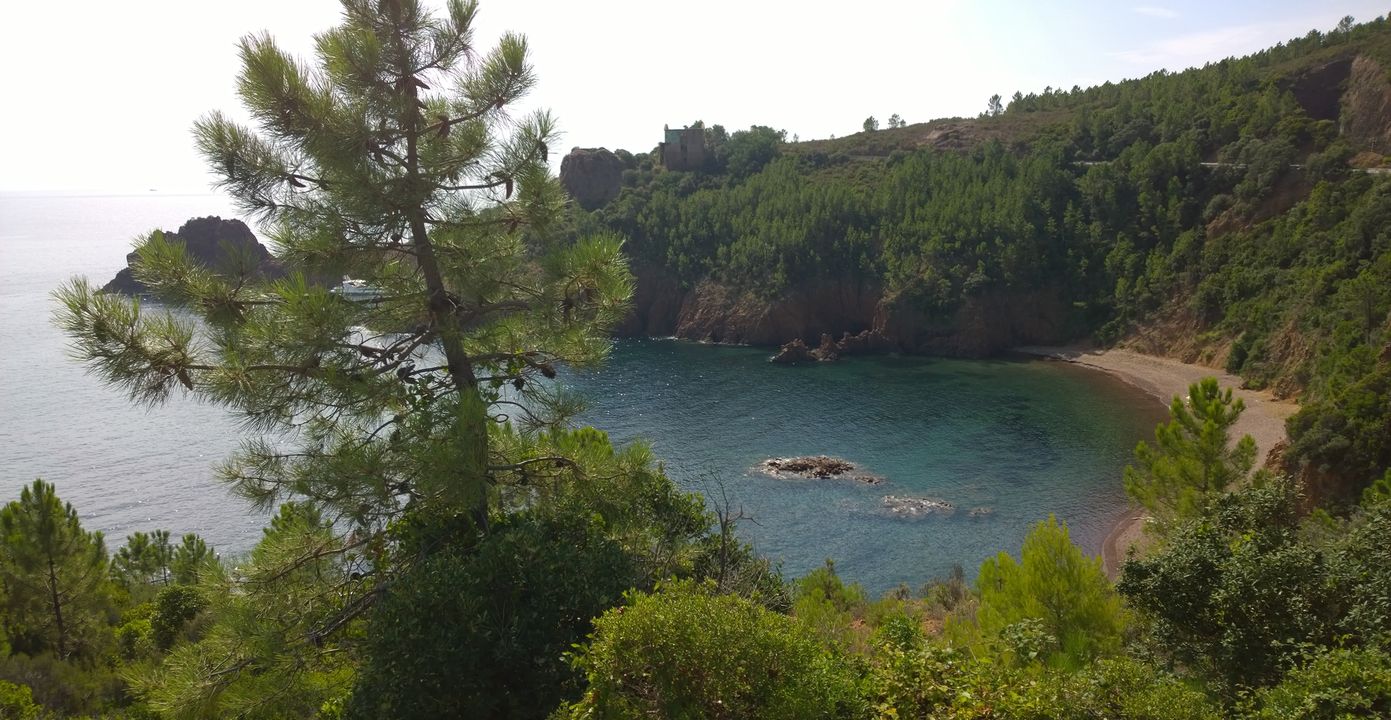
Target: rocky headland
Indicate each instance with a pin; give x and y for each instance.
(222, 245)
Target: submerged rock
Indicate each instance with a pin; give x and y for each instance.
(816, 466)
(916, 506)
(978, 512)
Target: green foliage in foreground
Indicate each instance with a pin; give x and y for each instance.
(17, 702)
(1235, 591)
(1064, 593)
(923, 680)
(236, 653)
(482, 633)
(1240, 592)
(1330, 684)
(1245, 611)
(685, 652)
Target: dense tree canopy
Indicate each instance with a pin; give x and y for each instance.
(1213, 209)
(444, 543)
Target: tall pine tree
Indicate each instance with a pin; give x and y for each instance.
(394, 160)
(52, 571)
(1192, 457)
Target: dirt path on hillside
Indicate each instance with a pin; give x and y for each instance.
(1263, 420)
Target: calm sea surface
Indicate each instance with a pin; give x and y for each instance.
(1023, 439)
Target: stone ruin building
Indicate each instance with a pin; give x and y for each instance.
(683, 149)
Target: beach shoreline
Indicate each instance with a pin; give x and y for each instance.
(1163, 378)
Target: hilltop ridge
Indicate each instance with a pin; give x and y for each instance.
(1214, 215)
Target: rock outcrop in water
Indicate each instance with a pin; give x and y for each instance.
(816, 467)
(211, 241)
(829, 350)
(793, 353)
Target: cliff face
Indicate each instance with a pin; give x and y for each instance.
(1366, 106)
(1319, 89)
(211, 241)
(983, 325)
(856, 316)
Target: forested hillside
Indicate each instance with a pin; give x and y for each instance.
(1233, 215)
(445, 542)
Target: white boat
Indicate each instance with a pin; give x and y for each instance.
(357, 290)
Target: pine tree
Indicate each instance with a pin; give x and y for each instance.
(394, 160)
(251, 660)
(1192, 457)
(144, 560)
(52, 570)
(1055, 588)
(187, 560)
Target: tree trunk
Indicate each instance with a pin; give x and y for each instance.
(57, 610)
(473, 413)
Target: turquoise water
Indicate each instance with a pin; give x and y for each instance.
(1022, 438)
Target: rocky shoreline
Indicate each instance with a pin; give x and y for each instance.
(805, 321)
(865, 343)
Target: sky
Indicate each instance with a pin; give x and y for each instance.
(100, 96)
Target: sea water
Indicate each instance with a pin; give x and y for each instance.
(1005, 443)
(1015, 441)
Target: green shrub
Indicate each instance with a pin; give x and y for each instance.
(17, 702)
(1075, 614)
(683, 653)
(483, 633)
(135, 638)
(1236, 591)
(175, 606)
(1328, 685)
(1113, 688)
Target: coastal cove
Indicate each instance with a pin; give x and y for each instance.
(1076, 406)
(1013, 440)
(1004, 442)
